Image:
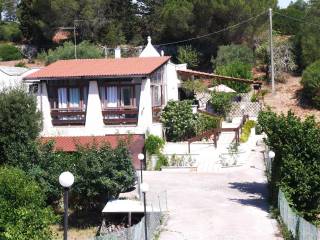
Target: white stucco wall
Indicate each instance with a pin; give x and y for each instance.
(145, 108)
(172, 80)
(7, 80)
(94, 118)
(44, 107)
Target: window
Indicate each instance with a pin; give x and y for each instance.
(72, 97)
(119, 96)
(156, 95)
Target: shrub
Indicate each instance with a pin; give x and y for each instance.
(101, 173)
(189, 55)
(154, 144)
(233, 53)
(206, 122)
(9, 52)
(20, 64)
(246, 130)
(221, 102)
(236, 69)
(178, 119)
(19, 127)
(23, 214)
(84, 50)
(311, 83)
(296, 167)
(162, 161)
(10, 32)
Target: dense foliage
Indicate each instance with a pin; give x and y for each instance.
(311, 83)
(238, 70)
(9, 52)
(84, 50)
(154, 144)
(23, 214)
(233, 53)
(19, 126)
(206, 122)
(296, 167)
(221, 102)
(189, 56)
(178, 120)
(10, 32)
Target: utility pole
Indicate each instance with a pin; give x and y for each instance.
(75, 39)
(271, 51)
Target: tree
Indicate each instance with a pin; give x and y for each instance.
(221, 102)
(23, 214)
(311, 83)
(101, 173)
(84, 50)
(233, 53)
(187, 54)
(20, 125)
(8, 10)
(178, 120)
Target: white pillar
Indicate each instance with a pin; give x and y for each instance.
(145, 107)
(44, 107)
(94, 118)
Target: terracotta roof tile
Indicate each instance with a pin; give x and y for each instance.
(69, 144)
(91, 68)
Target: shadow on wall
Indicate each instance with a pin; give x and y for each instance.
(256, 194)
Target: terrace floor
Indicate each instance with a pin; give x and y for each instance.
(228, 205)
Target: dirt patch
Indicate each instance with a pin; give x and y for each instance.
(287, 97)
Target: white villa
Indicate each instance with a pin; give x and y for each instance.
(90, 98)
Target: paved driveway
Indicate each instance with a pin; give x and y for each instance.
(225, 206)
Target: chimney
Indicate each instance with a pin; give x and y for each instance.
(117, 52)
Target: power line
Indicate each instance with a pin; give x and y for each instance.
(296, 19)
(216, 32)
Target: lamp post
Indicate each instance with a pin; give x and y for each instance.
(271, 154)
(66, 179)
(141, 158)
(145, 189)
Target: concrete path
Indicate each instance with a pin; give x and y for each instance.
(230, 205)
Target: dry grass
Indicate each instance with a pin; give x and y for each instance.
(287, 98)
(75, 233)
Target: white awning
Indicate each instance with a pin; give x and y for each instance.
(126, 206)
(222, 88)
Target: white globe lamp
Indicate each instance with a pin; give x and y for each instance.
(66, 179)
(271, 154)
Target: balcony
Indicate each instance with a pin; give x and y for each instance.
(66, 117)
(120, 116)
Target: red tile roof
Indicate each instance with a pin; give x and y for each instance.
(91, 68)
(69, 144)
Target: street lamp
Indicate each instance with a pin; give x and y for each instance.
(271, 154)
(145, 189)
(141, 158)
(66, 180)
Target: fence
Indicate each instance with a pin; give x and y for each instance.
(298, 226)
(158, 204)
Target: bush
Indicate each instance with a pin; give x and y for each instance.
(206, 122)
(19, 127)
(311, 83)
(221, 102)
(20, 64)
(233, 53)
(236, 69)
(162, 161)
(84, 50)
(101, 173)
(246, 130)
(10, 32)
(154, 144)
(189, 55)
(296, 167)
(179, 121)
(23, 214)
(9, 52)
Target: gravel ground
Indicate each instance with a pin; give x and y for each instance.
(226, 206)
(286, 99)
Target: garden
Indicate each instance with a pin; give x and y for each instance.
(30, 196)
